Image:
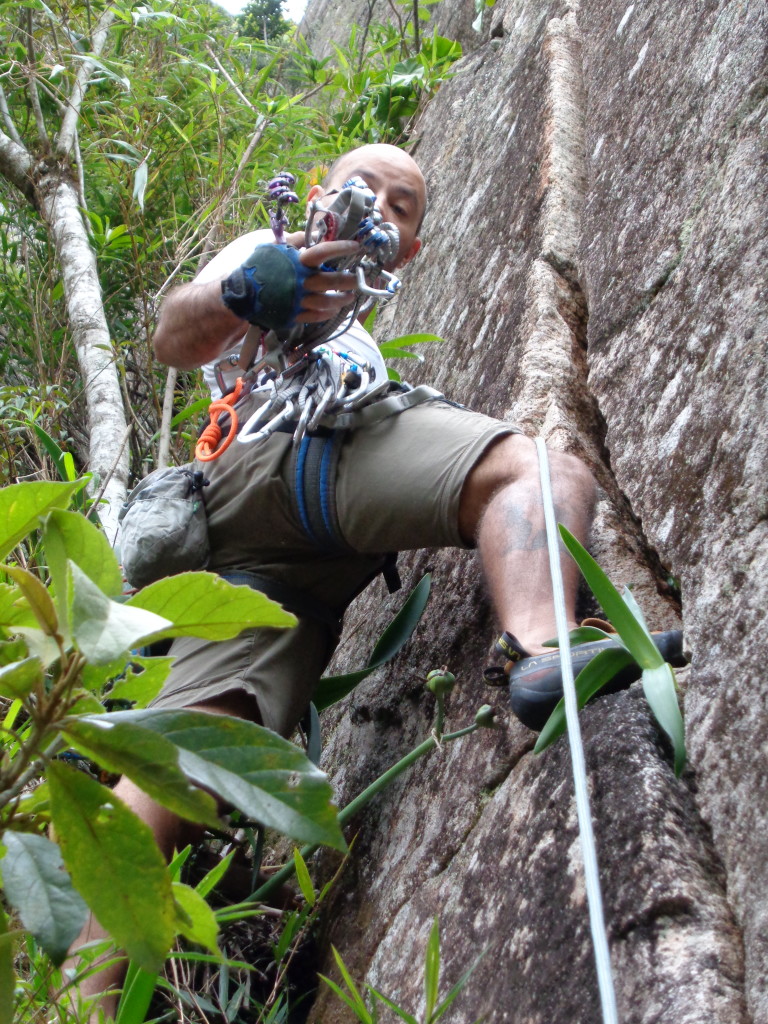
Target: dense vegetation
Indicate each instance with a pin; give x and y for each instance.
(135, 140)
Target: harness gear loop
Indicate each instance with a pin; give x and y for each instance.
(209, 447)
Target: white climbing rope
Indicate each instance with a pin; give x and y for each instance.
(591, 874)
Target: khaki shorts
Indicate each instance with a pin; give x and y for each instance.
(398, 487)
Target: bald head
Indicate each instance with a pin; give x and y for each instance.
(383, 162)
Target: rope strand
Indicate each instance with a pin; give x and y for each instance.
(586, 835)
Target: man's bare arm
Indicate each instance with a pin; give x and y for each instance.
(195, 326)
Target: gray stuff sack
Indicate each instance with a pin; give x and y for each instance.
(163, 526)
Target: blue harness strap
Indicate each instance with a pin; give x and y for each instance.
(315, 463)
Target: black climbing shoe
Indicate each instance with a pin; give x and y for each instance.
(535, 683)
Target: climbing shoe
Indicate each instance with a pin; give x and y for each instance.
(536, 685)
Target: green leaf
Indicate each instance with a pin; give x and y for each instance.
(661, 693)
(135, 999)
(19, 679)
(635, 637)
(37, 597)
(432, 970)
(14, 610)
(58, 455)
(75, 537)
(263, 775)
(409, 339)
(104, 629)
(7, 976)
(582, 635)
(115, 865)
(197, 921)
(592, 678)
(143, 685)
(302, 876)
(39, 889)
(203, 604)
(398, 1010)
(331, 689)
(21, 506)
(441, 1009)
(212, 878)
(399, 353)
(149, 760)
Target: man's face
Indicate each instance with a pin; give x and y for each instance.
(399, 186)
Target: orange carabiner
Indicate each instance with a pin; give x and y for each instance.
(209, 447)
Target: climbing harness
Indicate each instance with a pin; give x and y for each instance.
(591, 874)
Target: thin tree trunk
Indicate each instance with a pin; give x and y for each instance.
(59, 206)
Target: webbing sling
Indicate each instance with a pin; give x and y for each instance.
(586, 835)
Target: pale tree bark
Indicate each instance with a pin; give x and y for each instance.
(50, 185)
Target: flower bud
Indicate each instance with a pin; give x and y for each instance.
(440, 681)
(485, 717)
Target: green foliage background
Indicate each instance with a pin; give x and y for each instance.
(185, 120)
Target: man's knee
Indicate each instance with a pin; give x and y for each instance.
(514, 460)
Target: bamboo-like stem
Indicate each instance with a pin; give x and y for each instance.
(65, 138)
(7, 119)
(34, 98)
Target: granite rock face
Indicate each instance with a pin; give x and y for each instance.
(594, 256)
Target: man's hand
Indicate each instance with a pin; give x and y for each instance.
(326, 292)
(278, 287)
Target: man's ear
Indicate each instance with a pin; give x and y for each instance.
(415, 246)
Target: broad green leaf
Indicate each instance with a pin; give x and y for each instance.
(331, 689)
(7, 975)
(39, 645)
(302, 876)
(14, 609)
(592, 678)
(263, 775)
(37, 597)
(203, 604)
(70, 535)
(12, 650)
(115, 865)
(143, 685)
(94, 677)
(661, 693)
(39, 889)
(432, 969)
(197, 921)
(636, 639)
(19, 679)
(104, 629)
(21, 506)
(149, 760)
(85, 704)
(37, 803)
